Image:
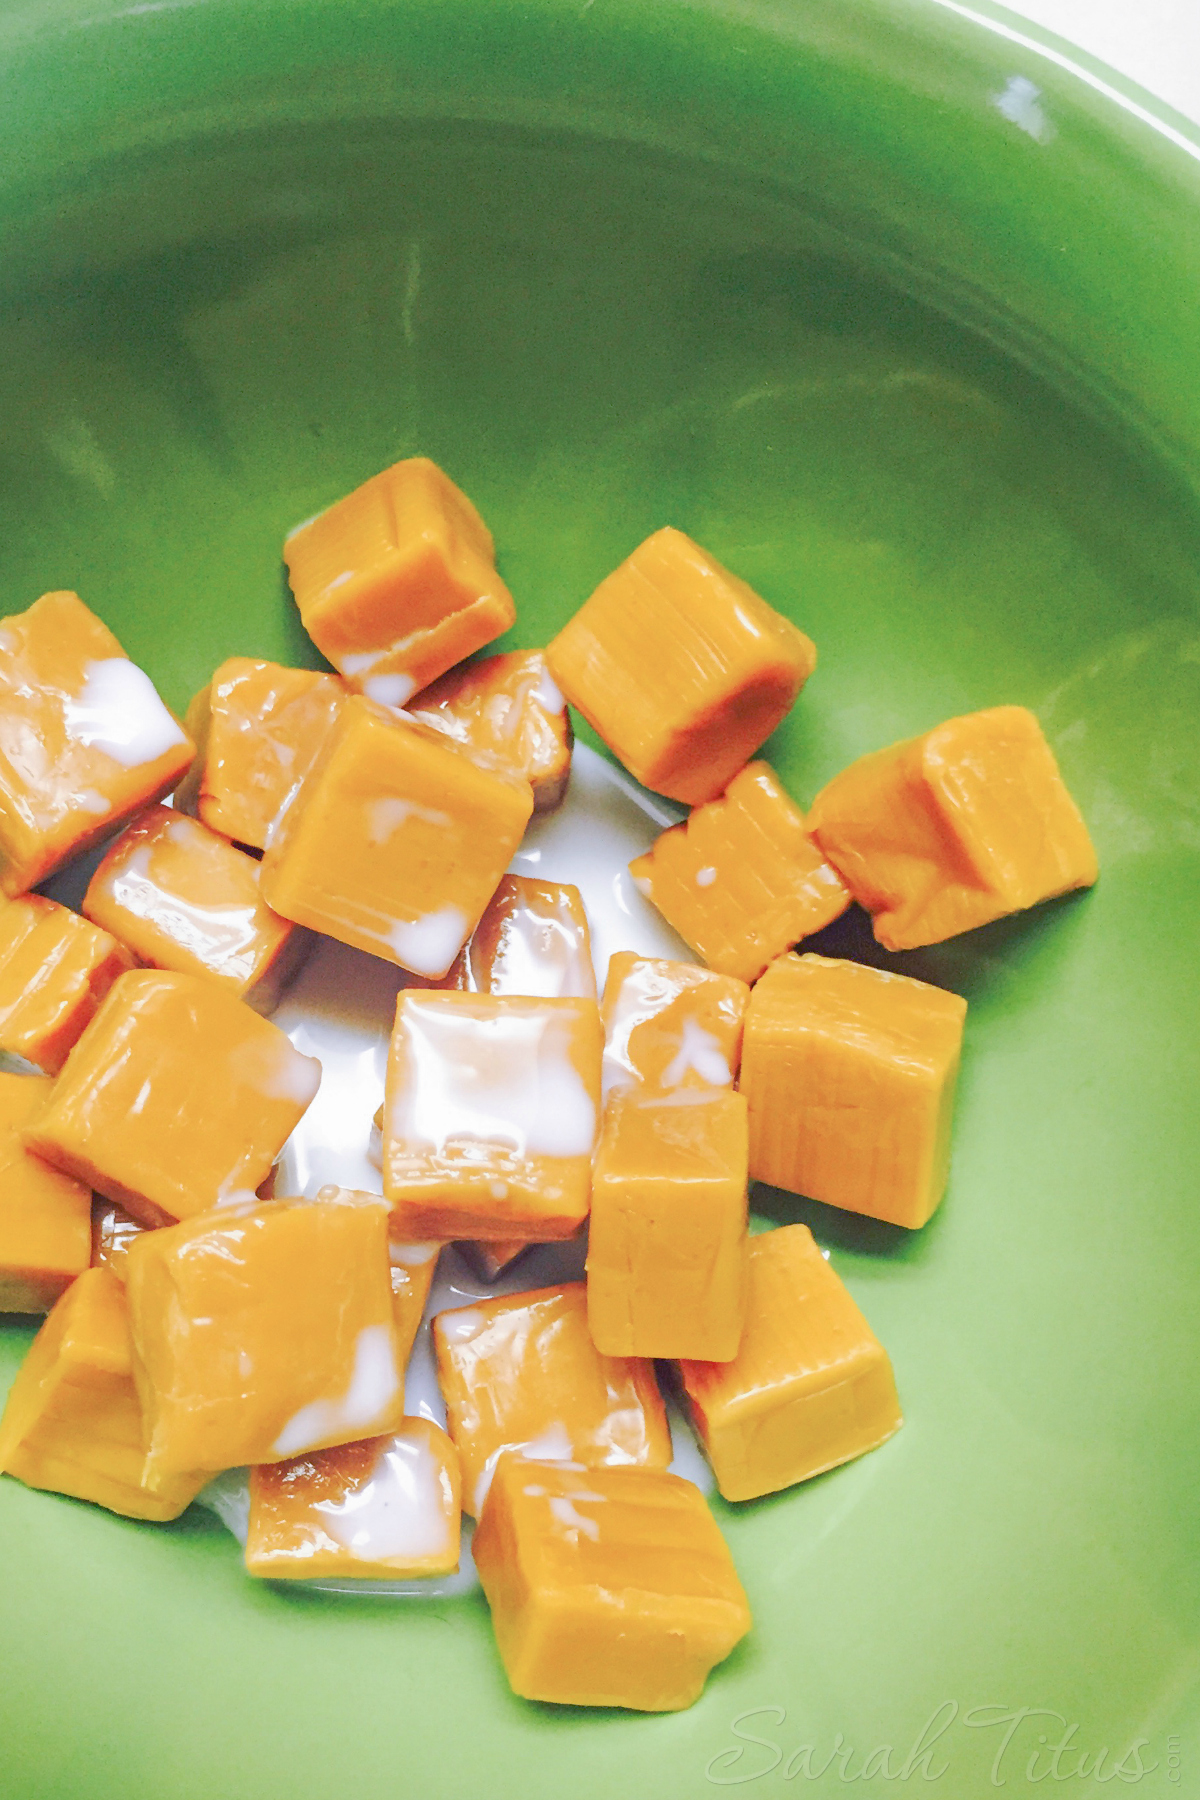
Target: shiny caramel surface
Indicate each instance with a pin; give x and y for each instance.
(952, 829)
(521, 1372)
(680, 666)
(382, 1508)
(182, 897)
(608, 1586)
(258, 728)
(508, 708)
(45, 1216)
(176, 1098)
(491, 1113)
(55, 969)
(533, 939)
(264, 1330)
(395, 840)
(73, 1421)
(670, 1026)
(397, 581)
(850, 1075)
(810, 1387)
(84, 738)
(742, 880)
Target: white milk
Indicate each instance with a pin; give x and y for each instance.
(118, 710)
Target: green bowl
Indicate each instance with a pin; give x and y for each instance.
(894, 308)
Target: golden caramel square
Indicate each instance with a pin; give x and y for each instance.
(520, 1372)
(85, 741)
(670, 1026)
(182, 897)
(742, 880)
(395, 841)
(533, 939)
(680, 666)
(45, 1216)
(507, 708)
(397, 581)
(666, 1267)
(850, 1074)
(258, 729)
(952, 829)
(490, 1117)
(73, 1423)
(608, 1587)
(264, 1331)
(176, 1098)
(810, 1387)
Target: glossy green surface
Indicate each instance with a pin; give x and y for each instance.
(616, 265)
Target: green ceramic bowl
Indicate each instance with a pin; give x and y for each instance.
(893, 307)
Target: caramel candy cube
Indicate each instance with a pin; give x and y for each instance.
(177, 1097)
(258, 729)
(55, 969)
(810, 1387)
(955, 828)
(45, 1217)
(262, 1331)
(73, 1422)
(742, 881)
(681, 668)
(381, 1509)
(533, 939)
(666, 1267)
(521, 1372)
(397, 582)
(490, 1115)
(608, 1587)
(670, 1026)
(395, 841)
(182, 897)
(506, 708)
(850, 1073)
(85, 740)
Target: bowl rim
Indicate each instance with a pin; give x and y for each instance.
(782, 94)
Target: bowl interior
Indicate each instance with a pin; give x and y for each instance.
(593, 343)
